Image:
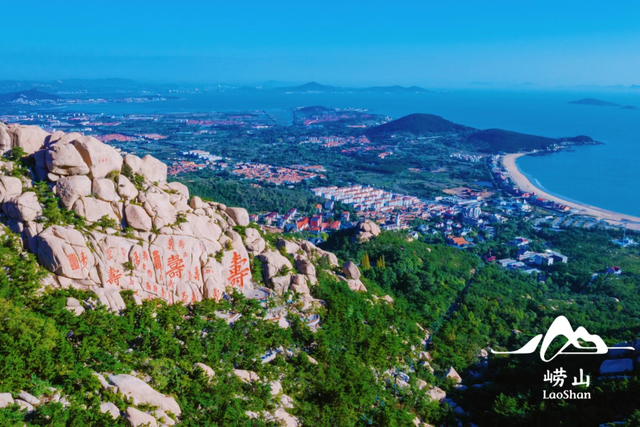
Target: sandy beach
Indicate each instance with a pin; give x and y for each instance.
(509, 162)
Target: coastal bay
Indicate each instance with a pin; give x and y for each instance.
(614, 218)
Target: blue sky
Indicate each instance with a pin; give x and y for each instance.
(334, 42)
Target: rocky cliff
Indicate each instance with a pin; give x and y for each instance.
(135, 230)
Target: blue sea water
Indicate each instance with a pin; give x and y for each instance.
(607, 176)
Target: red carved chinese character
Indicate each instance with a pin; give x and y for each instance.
(136, 259)
(175, 266)
(145, 256)
(181, 244)
(114, 276)
(83, 259)
(196, 273)
(170, 244)
(109, 254)
(185, 298)
(148, 286)
(73, 261)
(149, 274)
(237, 272)
(216, 294)
(157, 262)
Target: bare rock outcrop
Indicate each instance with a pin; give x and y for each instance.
(149, 167)
(142, 392)
(367, 229)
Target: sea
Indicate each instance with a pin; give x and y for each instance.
(606, 176)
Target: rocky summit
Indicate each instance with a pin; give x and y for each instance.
(138, 231)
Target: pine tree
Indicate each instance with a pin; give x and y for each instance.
(365, 264)
(380, 262)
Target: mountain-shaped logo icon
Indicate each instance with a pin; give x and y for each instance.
(562, 327)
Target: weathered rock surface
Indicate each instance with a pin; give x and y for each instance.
(142, 392)
(239, 215)
(351, 270)
(452, 374)
(136, 418)
(23, 208)
(149, 167)
(10, 187)
(110, 408)
(71, 188)
(5, 400)
(367, 229)
(101, 158)
(29, 138)
(138, 218)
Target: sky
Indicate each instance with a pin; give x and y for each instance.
(348, 42)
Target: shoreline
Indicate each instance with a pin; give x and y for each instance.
(613, 218)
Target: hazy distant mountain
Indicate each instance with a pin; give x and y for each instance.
(28, 95)
(593, 101)
(314, 87)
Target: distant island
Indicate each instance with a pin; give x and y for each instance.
(313, 87)
(596, 102)
(489, 140)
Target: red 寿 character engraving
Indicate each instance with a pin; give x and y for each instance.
(114, 276)
(175, 266)
(73, 261)
(237, 272)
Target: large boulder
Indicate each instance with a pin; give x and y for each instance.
(136, 418)
(101, 158)
(104, 189)
(437, 394)
(254, 241)
(149, 167)
(453, 375)
(71, 188)
(64, 251)
(29, 138)
(180, 188)
(367, 229)
(138, 218)
(64, 159)
(159, 207)
(10, 187)
(5, 139)
(24, 207)
(110, 408)
(239, 215)
(351, 270)
(5, 399)
(142, 392)
(126, 189)
(274, 263)
(93, 209)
